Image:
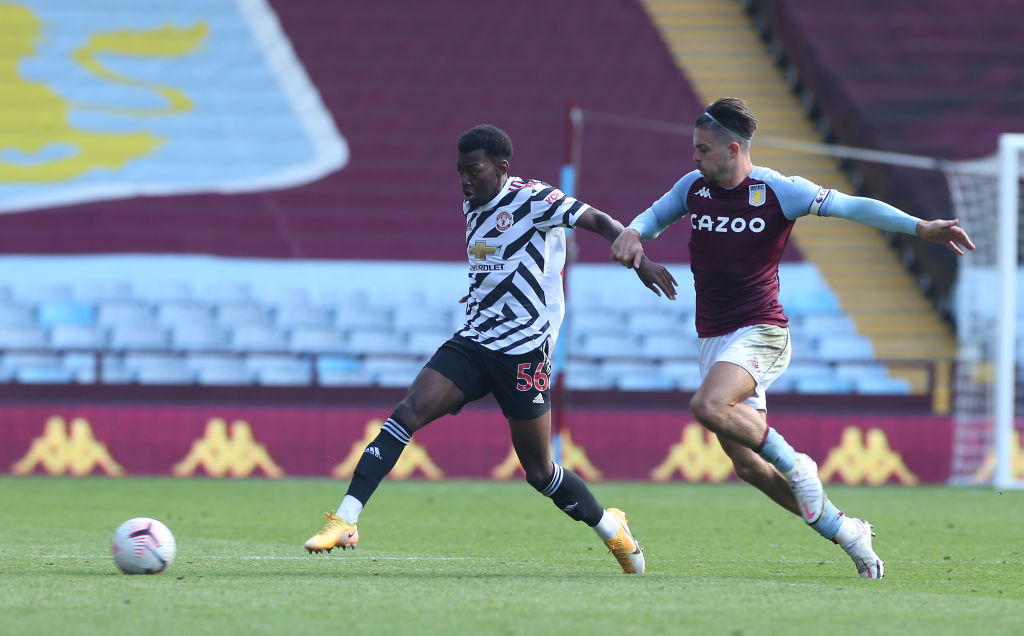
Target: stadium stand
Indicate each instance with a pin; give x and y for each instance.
(399, 121)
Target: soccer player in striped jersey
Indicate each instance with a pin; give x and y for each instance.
(741, 216)
(515, 243)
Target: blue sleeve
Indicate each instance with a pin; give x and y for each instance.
(870, 212)
(665, 211)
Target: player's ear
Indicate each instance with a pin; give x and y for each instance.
(502, 166)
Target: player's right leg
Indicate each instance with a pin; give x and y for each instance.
(852, 534)
(431, 395)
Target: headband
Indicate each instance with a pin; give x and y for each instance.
(728, 130)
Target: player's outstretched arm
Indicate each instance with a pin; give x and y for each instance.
(945, 232)
(598, 222)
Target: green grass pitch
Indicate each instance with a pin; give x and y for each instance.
(475, 557)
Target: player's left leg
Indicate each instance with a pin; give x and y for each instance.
(852, 534)
(531, 439)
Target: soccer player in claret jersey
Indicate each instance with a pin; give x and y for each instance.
(741, 216)
(515, 241)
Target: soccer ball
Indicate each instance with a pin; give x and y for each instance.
(143, 546)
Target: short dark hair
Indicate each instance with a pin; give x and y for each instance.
(732, 115)
(492, 140)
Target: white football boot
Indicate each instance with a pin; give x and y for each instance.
(806, 486)
(869, 566)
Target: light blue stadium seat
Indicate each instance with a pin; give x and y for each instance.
(78, 337)
(198, 337)
(242, 313)
(226, 291)
(64, 312)
(621, 345)
(317, 340)
(44, 375)
(15, 314)
(167, 290)
(219, 370)
(823, 384)
(81, 365)
(173, 313)
(290, 316)
(257, 338)
(337, 363)
(646, 383)
(280, 370)
(104, 290)
(36, 294)
(845, 347)
(655, 321)
(685, 373)
(373, 341)
(171, 372)
(15, 360)
(668, 345)
(22, 337)
(392, 371)
(425, 342)
(587, 322)
(138, 336)
(878, 385)
(421, 317)
(114, 371)
(119, 312)
(363, 316)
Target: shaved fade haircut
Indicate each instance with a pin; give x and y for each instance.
(494, 141)
(731, 116)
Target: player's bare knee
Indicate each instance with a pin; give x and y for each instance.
(538, 475)
(707, 412)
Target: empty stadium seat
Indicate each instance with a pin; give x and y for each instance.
(78, 337)
(138, 336)
(257, 338)
(318, 340)
(290, 316)
(13, 313)
(375, 341)
(64, 312)
(44, 375)
(22, 337)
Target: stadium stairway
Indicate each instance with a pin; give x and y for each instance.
(718, 48)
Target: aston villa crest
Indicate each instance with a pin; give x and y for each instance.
(758, 193)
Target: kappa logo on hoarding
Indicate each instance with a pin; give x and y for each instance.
(988, 469)
(697, 457)
(865, 459)
(218, 454)
(574, 457)
(414, 457)
(62, 451)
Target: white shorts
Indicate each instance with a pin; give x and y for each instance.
(763, 350)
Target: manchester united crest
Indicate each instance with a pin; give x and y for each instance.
(503, 222)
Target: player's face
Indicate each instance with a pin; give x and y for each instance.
(711, 156)
(480, 176)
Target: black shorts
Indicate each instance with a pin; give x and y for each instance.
(520, 383)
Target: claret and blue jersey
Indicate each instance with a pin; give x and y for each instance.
(737, 242)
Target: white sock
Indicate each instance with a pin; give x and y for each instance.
(848, 531)
(349, 509)
(607, 527)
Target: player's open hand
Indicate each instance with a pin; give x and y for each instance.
(658, 279)
(945, 232)
(627, 250)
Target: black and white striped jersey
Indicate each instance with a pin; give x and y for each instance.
(516, 249)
